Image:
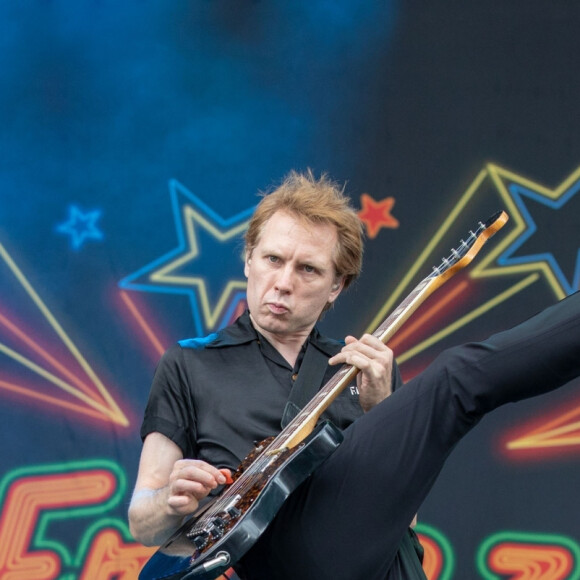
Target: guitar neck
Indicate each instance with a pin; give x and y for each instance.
(303, 424)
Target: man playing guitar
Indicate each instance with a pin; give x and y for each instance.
(213, 398)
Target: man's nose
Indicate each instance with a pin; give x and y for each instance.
(285, 279)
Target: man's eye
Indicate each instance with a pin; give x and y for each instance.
(309, 269)
(273, 258)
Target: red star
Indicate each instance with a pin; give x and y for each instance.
(377, 214)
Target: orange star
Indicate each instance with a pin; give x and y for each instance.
(377, 214)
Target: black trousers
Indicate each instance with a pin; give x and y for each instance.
(347, 521)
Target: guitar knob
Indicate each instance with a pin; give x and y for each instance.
(233, 512)
(200, 540)
(216, 532)
(217, 527)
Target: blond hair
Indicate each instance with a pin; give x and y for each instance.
(317, 201)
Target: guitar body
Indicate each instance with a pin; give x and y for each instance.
(242, 524)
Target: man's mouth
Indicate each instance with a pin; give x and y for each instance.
(277, 308)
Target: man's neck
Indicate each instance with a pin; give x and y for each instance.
(288, 346)
(289, 350)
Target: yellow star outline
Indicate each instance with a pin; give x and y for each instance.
(167, 275)
(501, 179)
(486, 267)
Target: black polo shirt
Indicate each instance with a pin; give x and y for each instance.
(216, 396)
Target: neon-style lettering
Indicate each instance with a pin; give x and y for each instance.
(523, 556)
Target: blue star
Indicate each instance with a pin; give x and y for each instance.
(81, 226)
(550, 237)
(207, 257)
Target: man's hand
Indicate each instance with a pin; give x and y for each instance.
(375, 361)
(189, 482)
(168, 488)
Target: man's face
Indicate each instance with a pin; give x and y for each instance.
(291, 276)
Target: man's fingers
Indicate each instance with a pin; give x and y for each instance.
(189, 470)
(361, 352)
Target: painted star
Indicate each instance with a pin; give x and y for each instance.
(377, 214)
(550, 236)
(81, 226)
(204, 261)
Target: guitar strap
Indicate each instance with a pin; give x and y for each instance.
(307, 383)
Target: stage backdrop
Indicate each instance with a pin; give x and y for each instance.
(134, 137)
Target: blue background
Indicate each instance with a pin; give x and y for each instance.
(115, 118)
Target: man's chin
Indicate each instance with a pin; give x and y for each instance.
(275, 323)
(271, 322)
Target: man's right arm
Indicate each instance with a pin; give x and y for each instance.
(168, 488)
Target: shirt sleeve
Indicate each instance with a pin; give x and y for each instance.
(170, 408)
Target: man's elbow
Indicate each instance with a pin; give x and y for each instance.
(138, 529)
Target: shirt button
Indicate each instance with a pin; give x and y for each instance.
(294, 376)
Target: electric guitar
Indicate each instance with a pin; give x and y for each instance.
(222, 531)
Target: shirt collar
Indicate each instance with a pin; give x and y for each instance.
(242, 332)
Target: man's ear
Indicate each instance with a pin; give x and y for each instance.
(247, 263)
(336, 289)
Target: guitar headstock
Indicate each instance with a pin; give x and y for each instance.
(468, 249)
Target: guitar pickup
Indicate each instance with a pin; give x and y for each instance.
(276, 451)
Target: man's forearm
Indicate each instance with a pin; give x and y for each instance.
(150, 521)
